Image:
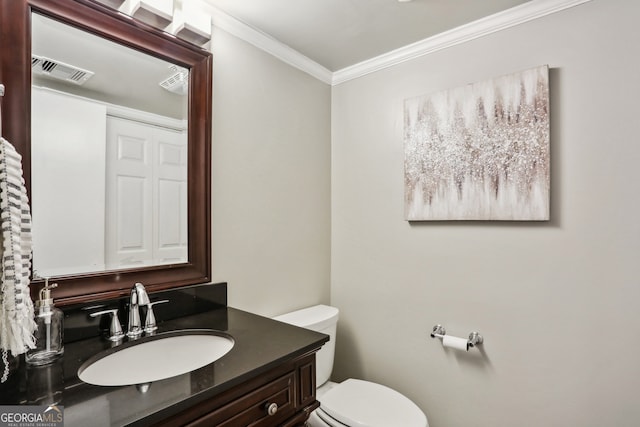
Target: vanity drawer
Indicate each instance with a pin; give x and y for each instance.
(253, 409)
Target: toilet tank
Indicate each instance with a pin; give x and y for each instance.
(319, 318)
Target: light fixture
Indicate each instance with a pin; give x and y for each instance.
(180, 18)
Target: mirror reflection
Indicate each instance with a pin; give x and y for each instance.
(109, 154)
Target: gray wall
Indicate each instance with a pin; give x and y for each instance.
(558, 301)
(271, 180)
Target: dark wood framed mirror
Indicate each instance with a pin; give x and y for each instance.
(104, 22)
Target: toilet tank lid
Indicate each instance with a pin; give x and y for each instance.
(316, 318)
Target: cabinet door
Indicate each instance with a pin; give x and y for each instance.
(146, 222)
(129, 193)
(169, 236)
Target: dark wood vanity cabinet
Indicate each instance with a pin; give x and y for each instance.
(283, 396)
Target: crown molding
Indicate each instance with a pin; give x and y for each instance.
(267, 43)
(517, 15)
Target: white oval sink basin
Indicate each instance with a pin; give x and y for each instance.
(155, 358)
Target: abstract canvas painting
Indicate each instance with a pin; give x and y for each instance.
(480, 152)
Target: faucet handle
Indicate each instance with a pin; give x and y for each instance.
(115, 330)
(150, 321)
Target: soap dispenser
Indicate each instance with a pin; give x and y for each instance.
(49, 321)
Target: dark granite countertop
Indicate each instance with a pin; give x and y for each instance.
(260, 344)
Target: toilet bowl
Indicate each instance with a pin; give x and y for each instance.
(353, 402)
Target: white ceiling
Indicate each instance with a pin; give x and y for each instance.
(332, 40)
(339, 33)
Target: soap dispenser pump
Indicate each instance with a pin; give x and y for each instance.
(48, 336)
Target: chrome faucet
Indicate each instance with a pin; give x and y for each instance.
(138, 297)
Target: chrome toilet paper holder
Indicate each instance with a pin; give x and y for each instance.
(474, 337)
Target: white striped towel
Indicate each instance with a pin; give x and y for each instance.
(16, 308)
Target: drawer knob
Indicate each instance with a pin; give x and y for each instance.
(271, 408)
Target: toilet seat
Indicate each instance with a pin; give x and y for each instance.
(357, 403)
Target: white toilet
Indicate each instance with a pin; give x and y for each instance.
(352, 403)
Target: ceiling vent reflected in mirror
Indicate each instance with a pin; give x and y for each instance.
(46, 67)
(178, 82)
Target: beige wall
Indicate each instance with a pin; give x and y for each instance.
(557, 302)
(271, 180)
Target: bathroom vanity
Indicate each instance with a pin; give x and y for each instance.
(266, 379)
(283, 396)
